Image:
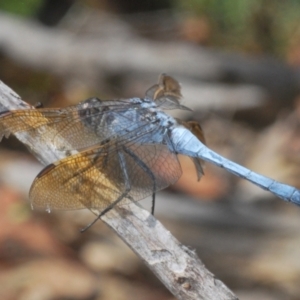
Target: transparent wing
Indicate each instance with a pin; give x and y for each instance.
(98, 177)
(82, 125)
(91, 121)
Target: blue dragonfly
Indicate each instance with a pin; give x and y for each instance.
(120, 151)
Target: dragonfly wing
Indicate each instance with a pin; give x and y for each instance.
(83, 125)
(151, 167)
(75, 183)
(96, 178)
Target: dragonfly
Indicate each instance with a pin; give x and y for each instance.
(120, 151)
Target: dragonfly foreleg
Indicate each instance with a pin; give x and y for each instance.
(120, 198)
(147, 170)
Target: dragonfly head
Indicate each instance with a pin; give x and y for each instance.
(166, 93)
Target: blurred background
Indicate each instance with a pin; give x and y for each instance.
(239, 65)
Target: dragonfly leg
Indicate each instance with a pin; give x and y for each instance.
(120, 198)
(153, 204)
(147, 170)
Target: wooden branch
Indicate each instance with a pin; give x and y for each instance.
(178, 267)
